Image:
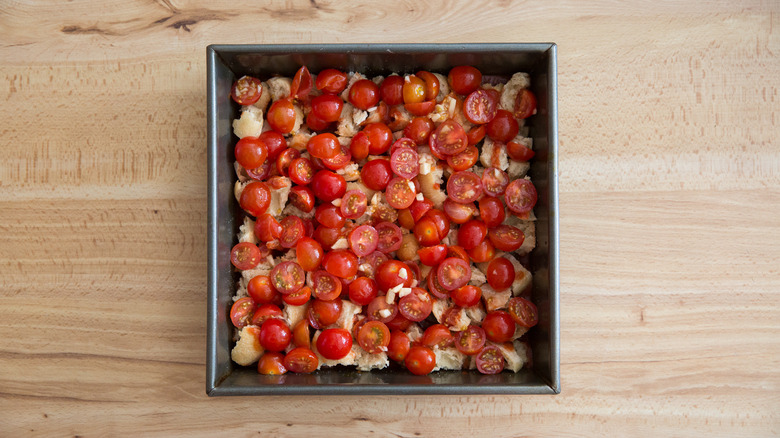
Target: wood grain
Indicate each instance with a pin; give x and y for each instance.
(670, 235)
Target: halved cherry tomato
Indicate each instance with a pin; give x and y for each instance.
(491, 211)
(466, 296)
(500, 274)
(374, 337)
(364, 94)
(464, 187)
(457, 212)
(329, 215)
(416, 306)
(432, 255)
(494, 181)
(525, 104)
(247, 90)
(490, 360)
(275, 143)
(302, 334)
(458, 252)
(359, 146)
(419, 129)
(255, 198)
(420, 108)
(390, 237)
(480, 106)
(523, 312)
(325, 286)
(418, 209)
(316, 123)
(391, 90)
(437, 335)
(323, 313)
(449, 138)
(301, 171)
(518, 152)
(326, 236)
(363, 240)
(435, 288)
(420, 360)
(399, 345)
(380, 310)
(503, 127)
(262, 172)
(281, 116)
(241, 312)
(471, 234)
(301, 360)
(324, 145)
(331, 81)
(426, 232)
(328, 186)
(476, 134)
(471, 340)
(371, 262)
(362, 291)
(341, 263)
(380, 138)
(299, 297)
(353, 204)
(261, 290)
(245, 255)
(391, 273)
(400, 193)
(431, 84)
(287, 277)
(405, 163)
(399, 323)
(520, 196)
(440, 219)
(301, 84)
(271, 363)
(339, 161)
(499, 326)
(302, 198)
(266, 312)
(293, 230)
(376, 174)
(465, 159)
(285, 159)
(274, 335)
(453, 273)
(506, 237)
(327, 107)
(483, 252)
(464, 79)
(251, 152)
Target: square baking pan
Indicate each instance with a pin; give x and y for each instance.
(226, 63)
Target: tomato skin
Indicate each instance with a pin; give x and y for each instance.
(362, 291)
(302, 334)
(302, 198)
(246, 90)
(380, 138)
(457, 212)
(500, 274)
(420, 360)
(464, 79)
(471, 340)
(326, 236)
(287, 277)
(341, 263)
(449, 138)
(323, 313)
(389, 237)
(329, 216)
(376, 174)
(399, 346)
(285, 159)
(413, 89)
(440, 219)
(363, 240)
(525, 104)
(392, 273)
(299, 297)
(250, 152)
(491, 211)
(309, 253)
(328, 185)
(464, 160)
(301, 360)
(334, 343)
(245, 255)
(255, 198)
(374, 337)
(416, 306)
(484, 252)
(432, 255)
(281, 116)
(301, 84)
(420, 108)
(274, 142)
(520, 196)
(261, 291)
(364, 94)
(518, 152)
(464, 187)
(271, 364)
(453, 273)
(503, 127)
(324, 145)
(391, 90)
(466, 296)
(480, 106)
(494, 181)
(437, 334)
(353, 204)
(490, 360)
(241, 312)
(426, 232)
(293, 229)
(331, 81)
(431, 84)
(523, 312)
(327, 107)
(359, 146)
(471, 234)
(499, 326)
(506, 238)
(405, 163)
(275, 335)
(475, 135)
(419, 130)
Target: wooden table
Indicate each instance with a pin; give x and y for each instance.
(670, 218)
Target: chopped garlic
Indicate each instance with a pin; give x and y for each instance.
(404, 292)
(385, 313)
(420, 197)
(336, 202)
(341, 244)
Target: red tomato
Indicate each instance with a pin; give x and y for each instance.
(499, 326)
(419, 129)
(285, 159)
(466, 296)
(503, 127)
(440, 219)
(301, 84)
(339, 161)
(391, 90)
(437, 335)
(431, 84)
(420, 360)
(331, 81)
(457, 212)
(364, 94)
(432, 255)
(245, 255)
(399, 346)
(491, 211)
(464, 79)
(327, 107)
(362, 291)
(324, 145)
(390, 237)
(266, 312)
(471, 340)
(413, 89)
(520, 196)
(426, 232)
(399, 323)
(523, 312)
(449, 138)
(325, 286)
(435, 288)
(506, 237)
(374, 337)
(353, 204)
(328, 186)
(380, 310)
(490, 360)
(363, 240)
(484, 252)
(525, 104)
(494, 181)
(465, 159)
(329, 215)
(271, 364)
(481, 106)
(275, 335)
(274, 142)
(359, 146)
(287, 277)
(418, 209)
(316, 123)
(241, 312)
(453, 273)
(251, 152)
(392, 273)
(323, 313)
(302, 198)
(302, 334)
(405, 163)
(301, 360)
(420, 108)
(518, 152)
(380, 138)
(416, 306)
(255, 198)
(376, 174)
(476, 134)
(464, 187)
(500, 274)
(262, 172)
(326, 236)
(281, 116)
(247, 90)
(341, 263)
(293, 230)
(458, 252)
(301, 171)
(261, 290)
(299, 297)
(471, 234)
(400, 193)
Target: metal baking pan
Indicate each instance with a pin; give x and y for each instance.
(228, 62)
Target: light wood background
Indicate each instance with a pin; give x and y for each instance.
(669, 200)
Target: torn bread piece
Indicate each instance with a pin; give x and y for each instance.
(511, 88)
(248, 349)
(449, 358)
(250, 124)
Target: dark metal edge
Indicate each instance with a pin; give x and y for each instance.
(554, 217)
(211, 110)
